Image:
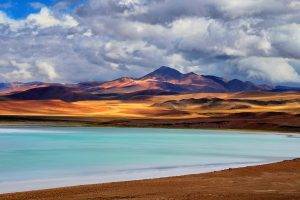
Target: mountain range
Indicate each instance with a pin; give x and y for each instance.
(163, 81)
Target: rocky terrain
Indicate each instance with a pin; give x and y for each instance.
(163, 81)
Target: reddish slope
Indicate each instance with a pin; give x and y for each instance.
(164, 80)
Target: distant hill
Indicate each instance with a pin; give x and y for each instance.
(286, 89)
(163, 81)
(61, 92)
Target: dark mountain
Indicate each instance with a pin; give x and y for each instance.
(61, 92)
(286, 89)
(162, 81)
(216, 79)
(164, 73)
(236, 85)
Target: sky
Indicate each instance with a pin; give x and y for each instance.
(98, 40)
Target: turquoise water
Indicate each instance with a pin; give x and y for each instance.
(35, 158)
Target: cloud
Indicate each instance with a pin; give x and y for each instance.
(275, 70)
(43, 19)
(242, 8)
(47, 69)
(286, 40)
(14, 70)
(27, 71)
(100, 40)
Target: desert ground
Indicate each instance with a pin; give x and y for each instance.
(278, 181)
(255, 110)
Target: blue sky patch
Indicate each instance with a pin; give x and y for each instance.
(22, 8)
(19, 9)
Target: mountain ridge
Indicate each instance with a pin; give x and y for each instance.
(162, 81)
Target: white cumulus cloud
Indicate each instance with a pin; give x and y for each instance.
(100, 40)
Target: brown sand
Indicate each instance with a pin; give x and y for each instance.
(253, 111)
(272, 181)
(154, 108)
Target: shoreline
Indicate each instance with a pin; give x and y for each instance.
(141, 189)
(173, 171)
(87, 125)
(242, 131)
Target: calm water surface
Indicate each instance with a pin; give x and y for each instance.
(35, 158)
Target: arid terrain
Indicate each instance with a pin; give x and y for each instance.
(243, 110)
(149, 99)
(278, 181)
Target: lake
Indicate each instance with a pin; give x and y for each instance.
(37, 158)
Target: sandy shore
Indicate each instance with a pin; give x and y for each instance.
(271, 181)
